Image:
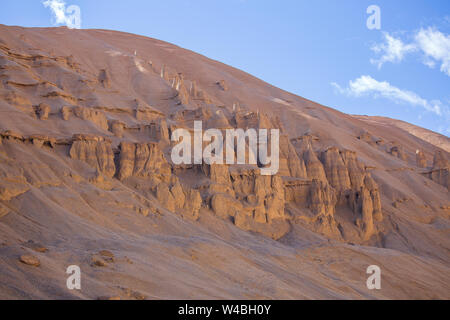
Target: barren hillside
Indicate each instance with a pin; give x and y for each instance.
(86, 179)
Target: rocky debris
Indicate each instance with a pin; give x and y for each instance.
(96, 151)
(43, 111)
(222, 85)
(107, 255)
(421, 160)
(36, 246)
(97, 117)
(142, 160)
(98, 261)
(30, 260)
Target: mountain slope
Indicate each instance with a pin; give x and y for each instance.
(85, 123)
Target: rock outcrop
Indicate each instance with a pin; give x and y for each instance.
(397, 151)
(421, 160)
(314, 167)
(95, 151)
(356, 170)
(322, 198)
(440, 173)
(290, 163)
(104, 78)
(335, 169)
(117, 128)
(367, 207)
(175, 198)
(144, 112)
(142, 160)
(222, 85)
(254, 202)
(97, 117)
(30, 260)
(43, 111)
(66, 112)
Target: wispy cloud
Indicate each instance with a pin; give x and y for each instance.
(367, 86)
(71, 16)
(393, 50)
(430, 42)
(436, 48)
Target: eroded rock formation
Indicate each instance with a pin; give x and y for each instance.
(142, 160)
(95, 151)
(97, 117)
(440, 173)
(421, 160)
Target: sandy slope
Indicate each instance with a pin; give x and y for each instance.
(50, 200)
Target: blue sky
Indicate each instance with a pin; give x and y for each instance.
(321, 50)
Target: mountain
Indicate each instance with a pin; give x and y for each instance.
(87, 179)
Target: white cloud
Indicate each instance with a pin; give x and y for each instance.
(71, 16)
(436, 47)
(431, 43)
(366, 85)
(393, 50)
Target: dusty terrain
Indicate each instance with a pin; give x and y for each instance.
(86, 179)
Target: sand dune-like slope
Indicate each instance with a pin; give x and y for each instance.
(86, 179)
